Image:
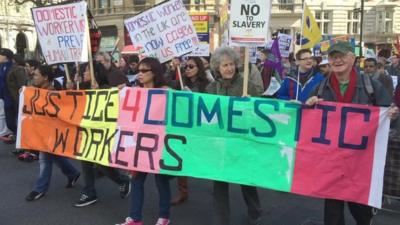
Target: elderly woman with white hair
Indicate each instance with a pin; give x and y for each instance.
(225, 63)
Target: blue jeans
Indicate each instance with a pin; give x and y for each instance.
(164, 192)
(89, 177)
(46, 167)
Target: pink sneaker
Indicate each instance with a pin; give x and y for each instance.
(162, 221)
(129, 221)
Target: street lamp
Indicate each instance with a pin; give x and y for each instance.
(361, 11)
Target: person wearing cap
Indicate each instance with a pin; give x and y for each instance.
(324, 68)
(12, 78)
(308, 77)
(371, 69)
(347, 86)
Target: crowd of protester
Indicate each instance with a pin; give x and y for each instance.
(338, 77)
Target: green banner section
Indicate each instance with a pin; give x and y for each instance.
(223, 134)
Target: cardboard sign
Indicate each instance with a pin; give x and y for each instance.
(61, 31)
(165, 31)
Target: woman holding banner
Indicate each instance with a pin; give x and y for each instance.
(89, 194)
(151, 75)
(195, 79)
(42, 78)
(225, 62)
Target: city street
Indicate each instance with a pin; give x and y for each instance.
(56, 207)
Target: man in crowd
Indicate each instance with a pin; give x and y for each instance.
(12, 78)
(324, 68)
(111, 77)
(371, 69)
(348, 86)
(308, 77)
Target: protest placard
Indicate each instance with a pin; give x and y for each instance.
(285, 44)
(61, 31)
(201, 50)
(164, 31)
(249, 22)
(253, 141)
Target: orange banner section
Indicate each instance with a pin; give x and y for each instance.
(47, 122)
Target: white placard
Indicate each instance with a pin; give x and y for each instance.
(165, 31)
(61, 31)
(285, 43)
(201, 50)
(249, 22)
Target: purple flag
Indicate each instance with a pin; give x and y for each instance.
(274, 59)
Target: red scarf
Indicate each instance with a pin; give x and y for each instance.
(351, 89)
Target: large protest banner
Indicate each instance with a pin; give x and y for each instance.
(249, 21)
(165, 31)
(61, 31)
(333, 151)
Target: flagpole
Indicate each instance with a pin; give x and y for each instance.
(301, 37)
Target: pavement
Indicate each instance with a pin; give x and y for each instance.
(56, 207)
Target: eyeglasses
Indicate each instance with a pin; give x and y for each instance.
(144, 70)
(189, 66)
(309, 58)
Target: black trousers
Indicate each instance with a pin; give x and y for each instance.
(334, 212)
(11, 119)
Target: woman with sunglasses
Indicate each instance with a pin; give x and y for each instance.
(151, 75)
(195, 79)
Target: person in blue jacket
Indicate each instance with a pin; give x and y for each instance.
(309, 78)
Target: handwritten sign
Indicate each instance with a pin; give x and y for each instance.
(61, 31)
(165, 31)
(249, 21)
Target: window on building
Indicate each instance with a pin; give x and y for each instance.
(317, 15)
(388, 27)
(324, 21)
(353, 22)
(285, 1)
(286, 5)
(356, 15)
(348, 27)
(388, 22)
(104, 4)
(355, 28)
(139, 2)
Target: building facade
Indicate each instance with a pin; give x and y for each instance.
(17, 31)
(381, 23)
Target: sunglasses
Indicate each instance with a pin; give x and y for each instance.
(144, 70)
(189, 66)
